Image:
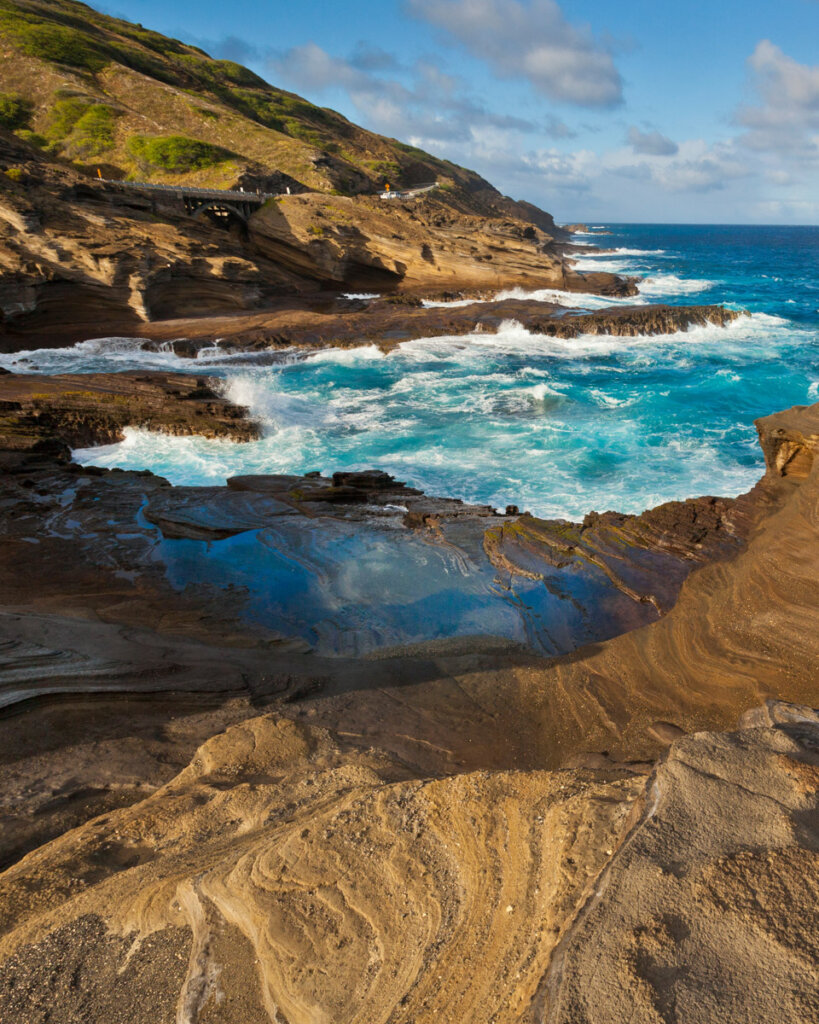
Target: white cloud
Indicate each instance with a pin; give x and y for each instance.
(420, 101)
(788, 117)
(651, 143)
(765, 170)
(533, 41)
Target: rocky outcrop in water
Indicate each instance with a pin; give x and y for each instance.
(388, 323)
(647, 556)
(44, 413)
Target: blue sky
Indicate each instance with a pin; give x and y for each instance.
(596, 110)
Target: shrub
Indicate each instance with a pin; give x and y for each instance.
(15, 112)
(176, 153)
(66, 112)
(14, 173)
(94, 131)
(57, 44)
(32, 138)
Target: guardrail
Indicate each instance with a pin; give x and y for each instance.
(241, 196)
(408, 193)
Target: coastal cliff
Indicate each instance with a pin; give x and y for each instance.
(318, 747)
(97, 98)
(76, 253)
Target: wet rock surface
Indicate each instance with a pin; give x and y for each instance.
(387, 324)
(41, 413)
(647, 557)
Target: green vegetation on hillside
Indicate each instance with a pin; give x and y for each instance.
(111, 71)
(80, 127)
(176, 153)
(94, 132)
(15, 112)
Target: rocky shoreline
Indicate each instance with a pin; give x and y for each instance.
(117, 673)
(326, 748)
(388, 324)
(308, 767)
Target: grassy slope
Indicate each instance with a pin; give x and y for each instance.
(94, 83)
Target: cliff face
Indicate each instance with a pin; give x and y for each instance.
(370, 244)
(81, 259)
(75, 265)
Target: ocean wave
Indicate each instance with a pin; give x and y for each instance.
(120, 354)
(611, 266)
(273, 408)
(607, 401)
(513, 338)
(347, 356)
(540, 391)
(670, 284)
(640, 252)
(573, 300)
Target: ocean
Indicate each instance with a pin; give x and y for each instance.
(557, 427)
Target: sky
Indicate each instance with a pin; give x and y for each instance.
(699, 111)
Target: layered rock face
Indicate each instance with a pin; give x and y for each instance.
(77, 262)
(76, 254)
(368, 244)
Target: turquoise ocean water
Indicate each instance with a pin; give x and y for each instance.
(556, 427)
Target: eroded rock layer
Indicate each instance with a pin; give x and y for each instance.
(288, 874)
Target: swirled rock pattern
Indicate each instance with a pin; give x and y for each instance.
(355, 891)
(286, 874)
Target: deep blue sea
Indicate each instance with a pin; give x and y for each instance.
(556, 427)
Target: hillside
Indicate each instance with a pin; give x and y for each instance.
(99, 92)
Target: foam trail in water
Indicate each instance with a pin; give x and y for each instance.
(573, 300)
(670, 284)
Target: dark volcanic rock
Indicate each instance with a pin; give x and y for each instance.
(386, 324)
(81, 410)
(646, 557)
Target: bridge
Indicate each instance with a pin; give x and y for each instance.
(219, 204)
